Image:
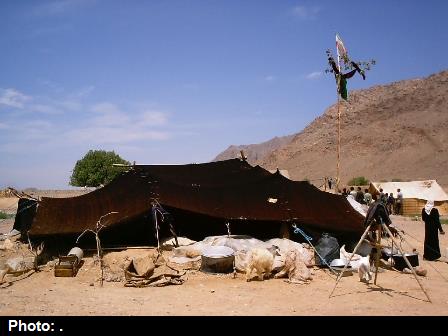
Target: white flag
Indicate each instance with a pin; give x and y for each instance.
(342, 52)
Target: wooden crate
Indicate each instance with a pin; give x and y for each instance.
(67, 266)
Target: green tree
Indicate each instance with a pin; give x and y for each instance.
(358, 181)
(95, 168)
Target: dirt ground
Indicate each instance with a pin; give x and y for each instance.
(396, 293)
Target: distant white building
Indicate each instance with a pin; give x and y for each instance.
(415, 194)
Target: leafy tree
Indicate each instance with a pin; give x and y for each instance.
(347, 65)
(358, 181)
(95, 168)
(4, 215)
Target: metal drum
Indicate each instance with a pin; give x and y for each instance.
(76, 251)
(218, 259)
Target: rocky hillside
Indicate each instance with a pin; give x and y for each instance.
(257, 152)
(394, 131)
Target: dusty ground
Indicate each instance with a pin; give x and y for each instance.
(205, 294)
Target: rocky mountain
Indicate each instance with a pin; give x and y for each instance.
(396, 131)
(255, 153)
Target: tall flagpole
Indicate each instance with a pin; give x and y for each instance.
(338, 163)
(342, 89)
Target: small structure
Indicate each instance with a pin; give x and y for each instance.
(68, 266)
(415, 195)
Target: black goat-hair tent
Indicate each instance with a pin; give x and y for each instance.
(201, 198)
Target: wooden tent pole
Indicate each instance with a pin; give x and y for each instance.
(338, 164)
(378, 252)
(407, 261)
(350, 259)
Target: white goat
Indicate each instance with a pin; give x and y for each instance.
(358, 262)
(261, 260)
(364, 269)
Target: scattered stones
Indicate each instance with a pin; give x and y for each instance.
(113, 277)
(420, 271)
(52, 263)
(7, 245)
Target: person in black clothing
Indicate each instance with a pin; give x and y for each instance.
(377, 215)
(430, 216)
(360, 196)
(399, 203)
(378, 212)
(390, 203)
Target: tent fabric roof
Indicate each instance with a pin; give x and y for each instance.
(425, 190)
(231, 189)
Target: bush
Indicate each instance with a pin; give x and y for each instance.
(397, 180)
(4, 215)
(95, 168)
(358, 181)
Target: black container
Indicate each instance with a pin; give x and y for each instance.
(386, 253)
(400, 263)
(327, 249)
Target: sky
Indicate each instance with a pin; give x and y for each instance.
(176, 82)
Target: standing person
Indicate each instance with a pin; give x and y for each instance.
(390, 203)
(353, 192)
(399, 203)
(384, 199)
(359, 196)
(367, 197)
(344, 192)
(381, 195)
(430, 216)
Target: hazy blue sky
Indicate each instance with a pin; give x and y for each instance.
(179, 81)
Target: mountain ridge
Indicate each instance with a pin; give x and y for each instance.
(390, 131)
